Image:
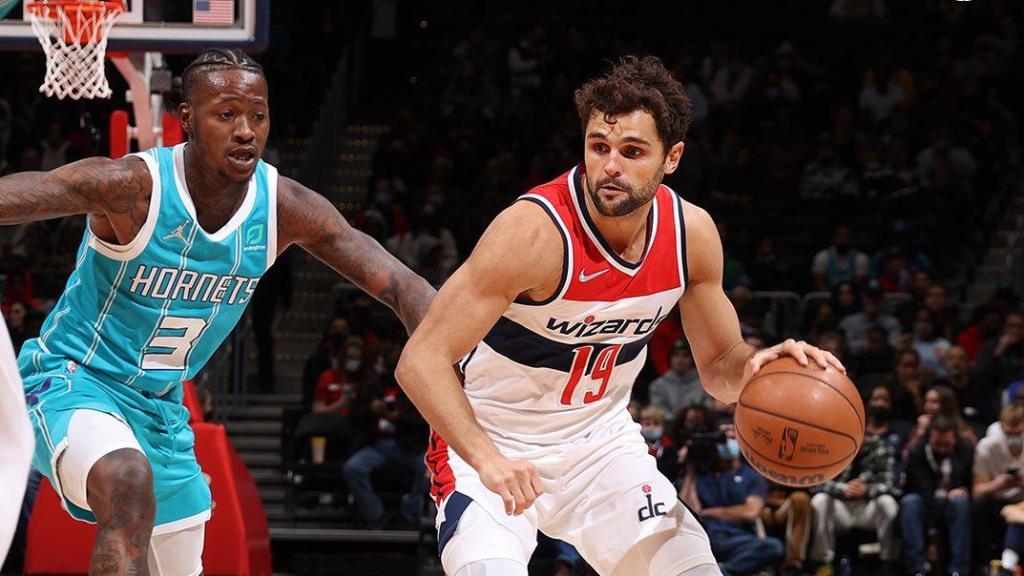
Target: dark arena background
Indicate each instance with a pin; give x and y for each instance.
(862, 159)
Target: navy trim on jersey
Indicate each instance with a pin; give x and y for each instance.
(469, 357)
(682, 242)
(597, 233)
(524, 346)
(566, 260)
(454, 508)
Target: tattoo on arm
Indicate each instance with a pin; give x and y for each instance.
(94, 185)
(307, 219)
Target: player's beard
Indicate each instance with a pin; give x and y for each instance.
(635, 198)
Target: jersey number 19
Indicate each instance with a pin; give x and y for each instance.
(601, 371)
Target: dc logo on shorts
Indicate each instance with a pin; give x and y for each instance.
(652, 509)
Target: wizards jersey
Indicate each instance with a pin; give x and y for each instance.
(550, 373)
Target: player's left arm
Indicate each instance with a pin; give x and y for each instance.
(724, 361)
(307, 219)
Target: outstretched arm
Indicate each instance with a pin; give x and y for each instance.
(725, 362)
(520, 253)
(309, 220)
(117, 189)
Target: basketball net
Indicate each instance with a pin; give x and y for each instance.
(73, 34)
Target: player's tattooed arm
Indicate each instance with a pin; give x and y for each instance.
(118, 189)
(307, 219)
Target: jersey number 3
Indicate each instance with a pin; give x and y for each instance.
(600, 371)
(177, 341)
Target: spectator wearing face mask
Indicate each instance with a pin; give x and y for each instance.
(728, 494)
(659, 442)
(879, 422)
(389, 430)
(998, 478)
(862, 496)
(337, 390)
(322, 358)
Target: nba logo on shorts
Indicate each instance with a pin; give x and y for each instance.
(787, 444)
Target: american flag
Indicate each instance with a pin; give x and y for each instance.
(213, 12)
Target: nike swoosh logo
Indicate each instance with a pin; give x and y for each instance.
(584, 278)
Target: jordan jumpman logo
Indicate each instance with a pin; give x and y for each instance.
(178, 232)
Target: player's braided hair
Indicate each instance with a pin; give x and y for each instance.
(215, 59)
(636, 83)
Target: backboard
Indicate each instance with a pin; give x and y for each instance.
(168, 26)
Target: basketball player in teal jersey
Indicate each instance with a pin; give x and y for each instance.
(176, 241)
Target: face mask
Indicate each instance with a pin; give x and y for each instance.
(730, 450)
(353, 364)
(879, 413)
(1015, 443)
(653, 433)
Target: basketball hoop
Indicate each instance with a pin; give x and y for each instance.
(73, 34)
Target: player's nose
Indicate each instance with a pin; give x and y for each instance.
(243, 131)
(613, 167)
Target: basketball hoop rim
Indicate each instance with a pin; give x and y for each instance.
(39, 7)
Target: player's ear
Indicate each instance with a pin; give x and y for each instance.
(673, 157)
(186, 118)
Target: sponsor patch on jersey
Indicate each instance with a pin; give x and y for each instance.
(254, 236)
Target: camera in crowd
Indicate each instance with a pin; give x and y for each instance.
(703, 448)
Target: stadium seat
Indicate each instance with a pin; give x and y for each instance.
(237, 537)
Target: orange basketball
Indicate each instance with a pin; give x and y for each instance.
(797, 425)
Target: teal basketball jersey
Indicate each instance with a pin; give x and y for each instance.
(150, 314)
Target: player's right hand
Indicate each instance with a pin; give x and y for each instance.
(516, 481)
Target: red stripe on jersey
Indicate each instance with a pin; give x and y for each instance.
(442, 480)
(592, 276)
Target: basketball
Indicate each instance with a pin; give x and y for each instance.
(799, 425)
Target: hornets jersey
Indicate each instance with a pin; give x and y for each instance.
(150, 313)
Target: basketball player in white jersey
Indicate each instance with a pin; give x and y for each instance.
(16, 442)
(549, 320)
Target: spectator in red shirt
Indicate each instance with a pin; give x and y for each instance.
(337, 388)
(665, 336)
(986, 324)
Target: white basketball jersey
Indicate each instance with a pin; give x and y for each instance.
(16, 442)
(553, 372)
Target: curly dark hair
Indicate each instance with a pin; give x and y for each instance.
(639, 83)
